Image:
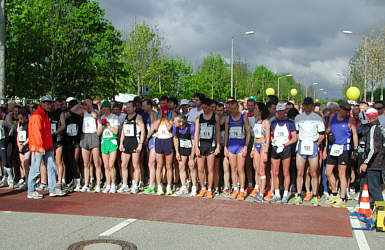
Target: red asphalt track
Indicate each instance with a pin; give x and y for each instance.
(218, 213)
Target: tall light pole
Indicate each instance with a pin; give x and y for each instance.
(288, 75)
(314, 83)
(2, 50)
(349, 32)
(232, 59)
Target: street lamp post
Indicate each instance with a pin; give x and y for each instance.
(314, 83)
(232, 58)
(349, 32)
(288, 75)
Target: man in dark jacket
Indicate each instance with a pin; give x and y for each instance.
(374, 160)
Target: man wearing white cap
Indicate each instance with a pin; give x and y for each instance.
(374, 162)
(184, 107)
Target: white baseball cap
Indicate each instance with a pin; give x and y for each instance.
(281, 106)
(70, 99)
(184, 102)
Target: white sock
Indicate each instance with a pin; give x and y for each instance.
(209, 189)
(168, 186)
(285, 193)
(134, 183)
(63, 181)
(235, 188)
(276, 192)
(194, 188)
(256, 186)
(242, 190)
(108, 186)
(113, 185)
(77, 181)
(160, 187)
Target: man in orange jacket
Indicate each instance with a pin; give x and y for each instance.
(40, 144)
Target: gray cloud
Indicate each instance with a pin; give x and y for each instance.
(297, 36)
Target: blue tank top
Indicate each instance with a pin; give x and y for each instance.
(236, 131)
(341, 131)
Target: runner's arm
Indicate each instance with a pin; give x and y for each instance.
(293, 138)
(247, 129)
(226, 131)
(266, 124)
(353, 127)
(218, 132)
(77, 109)
(62, 124)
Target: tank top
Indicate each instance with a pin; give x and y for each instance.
(74, 123)
(281, 134)
(341, 131)
(259, 130)
(185, 144)
(54, 118)
(236, 128)
(89, 123)
(163, 132)
(130, 130)
(252, 120)
(207, 130)
(223, 127)
(22, 131)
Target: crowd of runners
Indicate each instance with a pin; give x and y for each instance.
(273, 152)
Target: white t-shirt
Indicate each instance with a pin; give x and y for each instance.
(309, 126)
(381, 118)
(193, 114)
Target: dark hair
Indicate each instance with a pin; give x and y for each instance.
(200, 96)
(290, 103)
(232, 102)
(173, 100)
(133, 103)
(273, 99)
(251, 100)
(72, 103)
(148, 101)
(23, 111)
(137, 99)
(35, 105)
(60, 99)
(163, 98)
(220, 105)
(292, 113)
(269, 104)
(263, 109)
(214, 102)
(206, 101)
(317, 104)
(379, 102)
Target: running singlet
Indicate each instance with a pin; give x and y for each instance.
(185, 137)
(259, 130)
(130, 130)
(163, 132)
(22, 131)
(207, 130)
(236, 139)
(342, 134)
(252, 119)
(89, 123)
(281, 131)
(113, 121)
(54, 118)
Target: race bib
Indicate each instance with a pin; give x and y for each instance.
(53, 128)
(128, 130)
(235, 133)
(185, 143)
(107, 133)
(163, 132)
(257, 129)
(206, 132)
(72, 129)
(336, 150)
(22, 135)
(89, 125)
(307, 148)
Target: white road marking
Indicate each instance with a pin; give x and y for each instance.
(360, 236)
(117, 227)
(7, 212)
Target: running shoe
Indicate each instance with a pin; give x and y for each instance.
(285, 199)
(326, 195)
(339, 204)
(226, 192)
(134, 190)
(160, 191)
(241, 196)
(106, 190)
(77, 188)
(193, 191)
(85, 189)
(248, 190)
(216, 191)
(332, 199)
(11, 184)
(182, 191)
(258, 198)
(168, 191)
(201, 193)
(97, 189)
(318, 198)
(234, 195)
(297, 200)
(209, 194)
(141, 186)
(268, 196)
(149, 190)
(42, 187)
(123, 189)
(275, 198)
(23, 187)
(113, 189)
(254, 193)
(57, 192)
(315, 201)
(307, 197)
(20, 182)
(34, 195)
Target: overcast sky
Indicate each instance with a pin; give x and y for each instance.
(302, 37)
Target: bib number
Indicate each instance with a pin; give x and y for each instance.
(128, 130)
(107, 133)
(235, 133)
(257, 129)
(53, 128)
(307, 147)
(336, 150)
(206, 132)
(72, 130)
(89, 125)
(22, 136)
(185, 143)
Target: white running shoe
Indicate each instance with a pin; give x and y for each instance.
(77, 188)
(107, 189)
(85, 189)
(193, 191)
(97, 189)
(134, 190)
(123, 189)
(113, 189)
(182, 190)
(34, 195)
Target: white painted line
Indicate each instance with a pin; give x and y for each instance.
(360, 236)
(7, 212)
(117, 227)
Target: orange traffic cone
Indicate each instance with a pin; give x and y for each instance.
(365, 203)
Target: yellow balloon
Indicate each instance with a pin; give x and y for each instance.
(293, 92)
(316, 100)
(270, 91)
(353, 93)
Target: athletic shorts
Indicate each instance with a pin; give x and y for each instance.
(221, 153)
(73, 142)
(109, 146)
(89, 141)
(57, 145)
(206, 148)
(164, 146)
(343, 159)
(151, 144)
(25, 149)
(315, 151)
(259, 146)
(286, 153)
(130, 146)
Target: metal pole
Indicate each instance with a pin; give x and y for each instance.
(365, 65)
(382, 90)
(2, 50)
(278, 86)
(232, 67)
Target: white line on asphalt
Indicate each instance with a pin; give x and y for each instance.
(7, 212)
(117, 227)
(360, 236)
